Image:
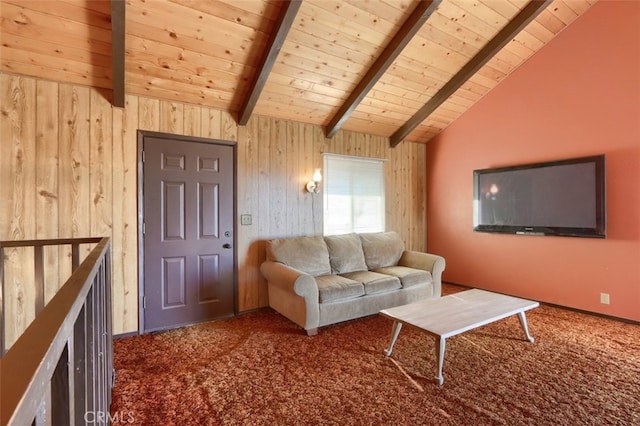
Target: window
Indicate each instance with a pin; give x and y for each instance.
(353, 195)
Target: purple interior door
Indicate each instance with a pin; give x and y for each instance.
(189, 263)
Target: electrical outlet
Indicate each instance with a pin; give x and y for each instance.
(604, 298)
(245, 219)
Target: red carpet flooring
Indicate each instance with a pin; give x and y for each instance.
(261, 369)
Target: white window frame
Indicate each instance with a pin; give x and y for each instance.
(353, 194)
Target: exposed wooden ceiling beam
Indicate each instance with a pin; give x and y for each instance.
(411, 26)
(524, 17)
(274, 44)
(117, 51)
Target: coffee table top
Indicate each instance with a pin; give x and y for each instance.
(459, 312)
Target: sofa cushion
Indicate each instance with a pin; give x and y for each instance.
(409, 277)
(345, 253)
(375, 282)
(336, 287)
(381, 249)
(306, 254)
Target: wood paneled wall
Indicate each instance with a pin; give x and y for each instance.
(68, 168)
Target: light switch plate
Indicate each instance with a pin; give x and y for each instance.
(245, 219)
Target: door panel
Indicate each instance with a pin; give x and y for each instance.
(173, 210)
(173, 282)
(189, 263)
(208, 207)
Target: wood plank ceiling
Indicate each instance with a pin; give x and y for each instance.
(404, 69)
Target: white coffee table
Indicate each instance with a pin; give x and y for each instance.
(456, 313)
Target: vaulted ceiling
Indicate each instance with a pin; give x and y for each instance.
(405, 69)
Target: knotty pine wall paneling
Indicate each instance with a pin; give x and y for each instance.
(124, 242)
(47, 179)
(100, 165)
(18, 198)
(74, 132)
(68, 168)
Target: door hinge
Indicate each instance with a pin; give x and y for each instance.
(144, 228)
(143, 157)
(144, 302)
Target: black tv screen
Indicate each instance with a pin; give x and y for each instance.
(564, 197)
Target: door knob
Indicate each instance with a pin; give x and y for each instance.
(226, 246)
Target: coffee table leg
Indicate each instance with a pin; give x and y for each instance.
(440, 347)
(397, 325)
(523, 323)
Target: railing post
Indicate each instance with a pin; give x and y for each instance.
(75, 256)
(43, 417)
(80, 366)
(91, 352)
(71, 381)
(38, 269)
(109, 312)
(99, 338)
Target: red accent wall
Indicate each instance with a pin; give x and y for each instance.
(578, 96)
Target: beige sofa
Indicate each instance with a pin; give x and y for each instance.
(317, 281)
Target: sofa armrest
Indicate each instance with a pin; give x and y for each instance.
(290, 279)
(293, 293)
(427, 262)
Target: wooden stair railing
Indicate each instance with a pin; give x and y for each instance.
(60, 370)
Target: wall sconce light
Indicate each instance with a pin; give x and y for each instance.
(313, 185)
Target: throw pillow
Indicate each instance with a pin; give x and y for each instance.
(382, 249)
(345, 253)
(306, 254)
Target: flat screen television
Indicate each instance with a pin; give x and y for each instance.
(564, 197)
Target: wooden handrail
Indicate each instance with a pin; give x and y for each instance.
(66, 352)
(50, 242)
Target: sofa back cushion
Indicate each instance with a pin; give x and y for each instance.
(345, 253)
(306, 254)
(381, 249)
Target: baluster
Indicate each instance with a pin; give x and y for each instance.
(38, 269)
(75, 256)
